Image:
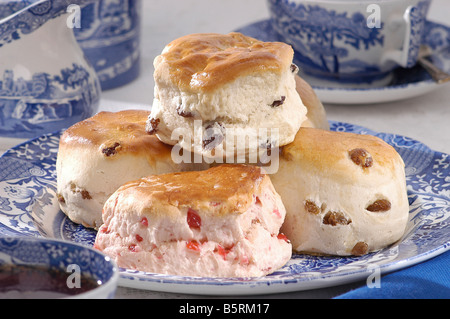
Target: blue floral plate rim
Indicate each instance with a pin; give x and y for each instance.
(407, 83)
(28, 207)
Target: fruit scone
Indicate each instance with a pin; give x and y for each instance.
(344, 193)
(221, 222)
(226, 92)
(101, 153)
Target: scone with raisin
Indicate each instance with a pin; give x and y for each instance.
(344, 193)
(221, 222)
(225, 95)
(101, 153)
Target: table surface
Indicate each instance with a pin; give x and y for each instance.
(423, 118)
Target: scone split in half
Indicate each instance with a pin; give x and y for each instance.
(222, 222)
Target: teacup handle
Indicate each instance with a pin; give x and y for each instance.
(408, 55)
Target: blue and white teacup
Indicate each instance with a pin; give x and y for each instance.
(348, 41)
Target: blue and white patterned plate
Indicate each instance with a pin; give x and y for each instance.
(405, 83)
(28, 207)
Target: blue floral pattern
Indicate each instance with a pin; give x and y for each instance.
(323, 39)
(417, 15)
(30, 20)
(110, 38)
(34, 97)
(32, 108)
(428, 182)
(322, 54)
(109, 33)
(405, 82)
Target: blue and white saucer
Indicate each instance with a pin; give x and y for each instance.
(405, 83)
(29, 207)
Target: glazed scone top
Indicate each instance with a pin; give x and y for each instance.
(225, 189)
(115, 133)
(204, 61)
(347, 156)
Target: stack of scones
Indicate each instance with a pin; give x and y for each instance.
(232, 170)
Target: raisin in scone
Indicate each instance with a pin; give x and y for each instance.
(220, 94)
(221, 222)
(344, 193)
(101, 153)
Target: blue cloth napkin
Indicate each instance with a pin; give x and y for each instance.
(427, 280)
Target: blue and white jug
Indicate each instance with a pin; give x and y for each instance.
(46, 83)
(110, 35)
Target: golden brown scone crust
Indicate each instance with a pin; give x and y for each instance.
(116, 133)
(225, 189)
(204, 61)
(312, 146)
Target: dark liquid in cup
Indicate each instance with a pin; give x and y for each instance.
(37, 282)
